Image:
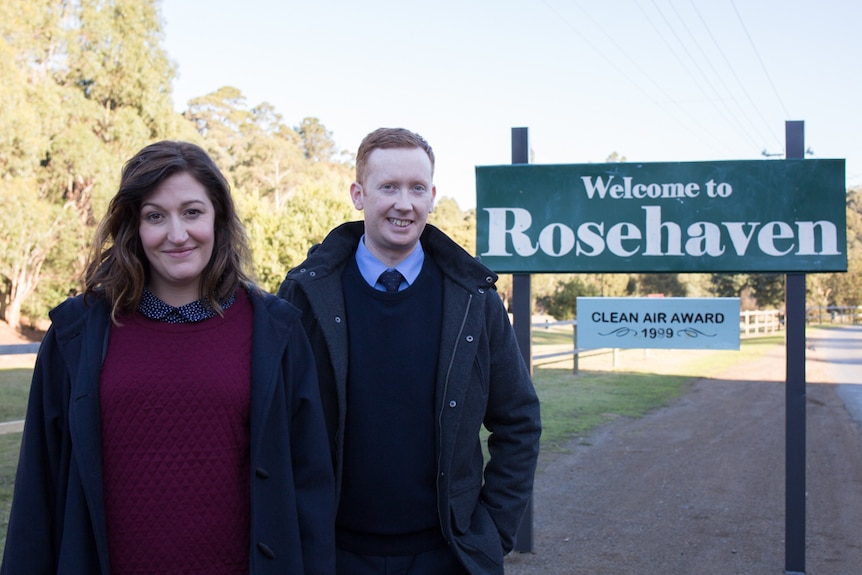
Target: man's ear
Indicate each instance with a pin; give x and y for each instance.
(356, 195)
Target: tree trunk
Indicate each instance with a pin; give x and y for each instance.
(12, 314)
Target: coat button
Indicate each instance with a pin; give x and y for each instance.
(266, 550)
(337, 319)
(312, 273)
(453, 403)
(262, 473)
(469, 339)
(481, 290)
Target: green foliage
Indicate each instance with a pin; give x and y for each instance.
(87, 84)
(280, 239)
(562, 304)
(697, 285)
(219, 118)
(763, 291)
(846, 288)
(26, 242)
(460, 226)
(317, 140)
(20, 143)
(768, 290)
(669, 285)
(727, 285)
(289, 190)
(556, 294)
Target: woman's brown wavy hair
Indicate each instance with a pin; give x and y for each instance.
(118, 269)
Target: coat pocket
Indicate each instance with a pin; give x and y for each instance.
(477, 537)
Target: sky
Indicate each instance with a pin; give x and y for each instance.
(649, 80)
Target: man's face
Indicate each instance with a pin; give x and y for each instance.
(396, 194)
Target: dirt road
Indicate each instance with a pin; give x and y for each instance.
(698, 487)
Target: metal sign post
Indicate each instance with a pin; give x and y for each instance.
(522, 316)
(794, 304)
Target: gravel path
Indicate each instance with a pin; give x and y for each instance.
(698, 487)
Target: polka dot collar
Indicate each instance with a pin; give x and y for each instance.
(153, 308)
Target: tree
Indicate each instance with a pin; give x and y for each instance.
(562, 304)
(270, 163)
(26, 241)
(767, 290)
(727, 285)
(845, 289)
(119, 64)
(288, 199)
(696, 284)
(665, 284)
(218, 118)
(317, 140)
(86, 84)
(458, 225)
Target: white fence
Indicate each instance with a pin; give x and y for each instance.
(760, 322)
(834, 314)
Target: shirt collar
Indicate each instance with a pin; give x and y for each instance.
(371, 268)
(153, 308)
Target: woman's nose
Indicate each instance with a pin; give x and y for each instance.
(177, 231)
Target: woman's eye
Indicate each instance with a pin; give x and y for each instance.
(153, 217)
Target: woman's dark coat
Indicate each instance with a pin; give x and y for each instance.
(57, 523)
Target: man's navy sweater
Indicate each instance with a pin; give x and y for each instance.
(388, 500)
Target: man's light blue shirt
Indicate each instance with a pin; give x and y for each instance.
(371, 268)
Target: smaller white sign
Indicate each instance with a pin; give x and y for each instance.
(669, 323)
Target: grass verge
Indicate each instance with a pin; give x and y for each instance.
(10, 443)
(628, 384)
(574, 405)
(14, 389)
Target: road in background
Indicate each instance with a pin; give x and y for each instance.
(842, 350)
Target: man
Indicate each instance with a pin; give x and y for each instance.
(409, 375)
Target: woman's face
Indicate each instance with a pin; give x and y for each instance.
(177, 230)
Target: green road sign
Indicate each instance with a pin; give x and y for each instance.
(739, 216)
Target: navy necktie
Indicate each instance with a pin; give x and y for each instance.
(391, 279)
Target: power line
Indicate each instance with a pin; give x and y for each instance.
(735, 75)
(639, 68)
(720, 77)
(759, 59)
(729, 114)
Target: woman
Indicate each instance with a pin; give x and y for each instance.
(174, 422)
